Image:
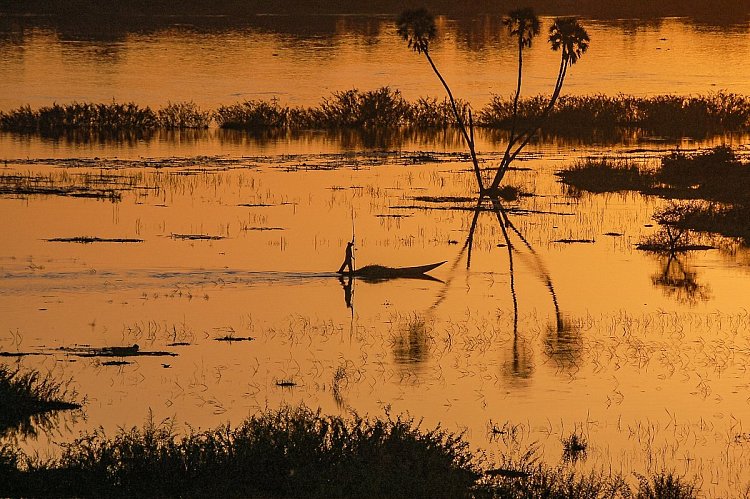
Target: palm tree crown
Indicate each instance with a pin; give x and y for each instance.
(417, 27)
(568, 34)
(524, 24)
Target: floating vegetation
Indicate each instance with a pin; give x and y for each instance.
(716, 182)
(26, 396)
(80, 186)
(445, 199)
(116, 363)
(286, 383)
(90, 239)
(196, 237)
(249, 228)
(575, 448)
(574, 241)
(231, 338)
(666, 115)
(123, 351)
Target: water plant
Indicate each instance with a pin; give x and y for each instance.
(183, 115)
(575, 447)
(715, 183)
(26, 396)
(385, 109)
(290, 452)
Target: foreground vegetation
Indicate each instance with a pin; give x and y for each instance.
(27, 396)
(714, 187)
(385, 108)
(296, 452)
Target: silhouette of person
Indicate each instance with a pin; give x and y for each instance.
(348, 259)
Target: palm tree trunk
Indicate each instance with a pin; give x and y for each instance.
(529, 133)
(469, 139)
(511, 137)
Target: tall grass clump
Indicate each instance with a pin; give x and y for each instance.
(716, 174)
(292, 452)
(428, 112)
(183, 115)
(57, 118)
(252, 114)
(671, 115)
(605, 175)
(716, 183)
(25, 395)
(665, 485)
(383, 107)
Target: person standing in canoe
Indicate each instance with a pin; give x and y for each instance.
(348, 259)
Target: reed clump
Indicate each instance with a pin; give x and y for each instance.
(183, 115)
(292, 452)
(670, 115)
(54, 119)
(298, 452)
(385, 108)
(26, 394)
(108, 118)
(605, 175)
(715, 183)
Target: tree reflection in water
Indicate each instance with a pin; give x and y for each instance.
(411, 339)
(562, 340)
(679, 281)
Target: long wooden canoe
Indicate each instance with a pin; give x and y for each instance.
(383, 272)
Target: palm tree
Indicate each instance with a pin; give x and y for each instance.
(568, 34)
(417, 28)
(524, 25)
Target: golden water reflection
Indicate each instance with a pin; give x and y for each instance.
(299, 63)
(244, 244)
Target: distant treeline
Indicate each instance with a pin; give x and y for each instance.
(386, 109)
(717, 10)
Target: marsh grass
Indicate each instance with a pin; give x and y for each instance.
(50, 120)
(33, 184)
(605, 175)
(670, 115)
(26, 396)
(93, 239)
(182, 115)
(665, 485)
(298, 452)
(715, 183)
(575, 448)
(292, 452)
(385, 108)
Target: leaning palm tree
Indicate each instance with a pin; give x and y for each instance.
(417, 28)
(570, 37)
(524, 25)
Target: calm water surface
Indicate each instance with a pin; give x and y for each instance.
(647, 357)
(273, 57)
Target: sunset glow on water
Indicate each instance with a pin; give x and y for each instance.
(217, 249)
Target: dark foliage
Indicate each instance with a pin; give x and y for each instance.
(385, 108)
(25, 397)
(284, 453)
